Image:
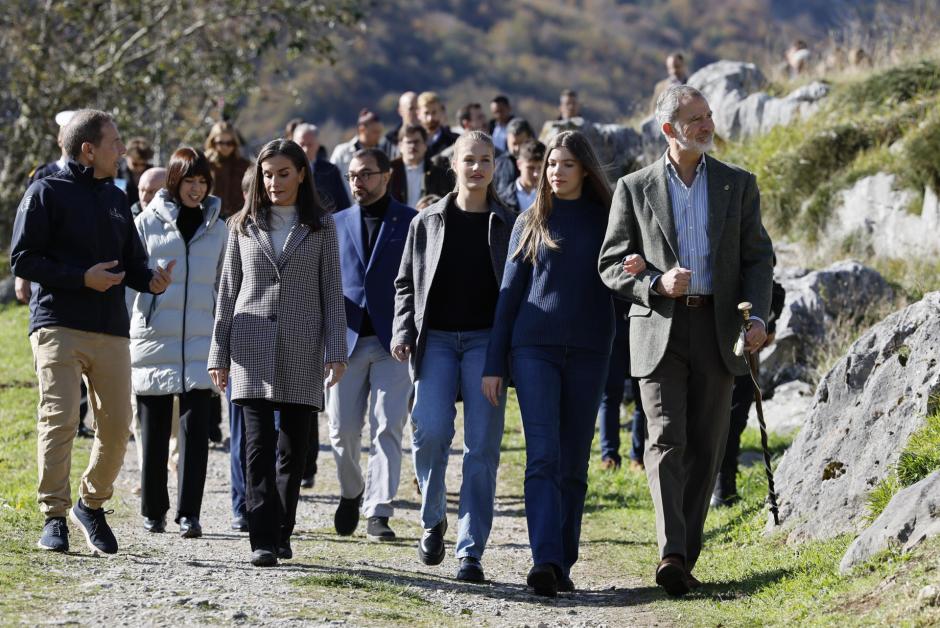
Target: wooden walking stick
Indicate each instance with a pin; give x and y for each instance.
(740, 348)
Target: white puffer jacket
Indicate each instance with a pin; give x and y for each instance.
(170, 332)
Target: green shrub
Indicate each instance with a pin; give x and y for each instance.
(920, 458)
(890, 87)
(921, 148)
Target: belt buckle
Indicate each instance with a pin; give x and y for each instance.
(694, 300)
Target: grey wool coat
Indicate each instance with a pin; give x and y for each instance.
(280, 318)
(641, 221)
(419, 264)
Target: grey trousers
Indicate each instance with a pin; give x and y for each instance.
(376, 383)
(687, 400)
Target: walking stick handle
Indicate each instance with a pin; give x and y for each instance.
(745, 308)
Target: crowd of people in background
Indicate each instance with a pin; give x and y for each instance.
(411, 270)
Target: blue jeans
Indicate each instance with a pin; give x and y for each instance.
(452, 361)
(236, 447)
(559, 389)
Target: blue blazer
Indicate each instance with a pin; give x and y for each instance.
(369, 284)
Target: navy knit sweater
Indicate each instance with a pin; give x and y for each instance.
(561, 300)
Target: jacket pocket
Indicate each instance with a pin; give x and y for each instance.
(639, 310)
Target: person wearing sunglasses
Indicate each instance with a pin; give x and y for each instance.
(223, 149)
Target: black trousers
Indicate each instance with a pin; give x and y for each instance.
(274, 464)
(742, 396)
(313, 448)
(155, 422)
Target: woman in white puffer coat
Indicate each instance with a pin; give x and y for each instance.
(170, 336)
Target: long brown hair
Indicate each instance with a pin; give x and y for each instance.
(465, 140)
(310, 210)
(535, 233)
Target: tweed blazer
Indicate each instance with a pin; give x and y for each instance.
(641, 221)
(419, 264)
(279, 318)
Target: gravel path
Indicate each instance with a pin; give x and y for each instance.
(161, 579)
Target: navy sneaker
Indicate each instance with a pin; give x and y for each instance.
(55, 535)
(93, 525)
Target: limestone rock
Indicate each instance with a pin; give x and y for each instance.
(741, 109)
(864, 411)
(911, 516)
(815, 303)
(786, 411)
(8, 290)
(875, 217)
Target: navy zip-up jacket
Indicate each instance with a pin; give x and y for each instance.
(65, 224)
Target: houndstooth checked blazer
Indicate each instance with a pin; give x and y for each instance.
(280, 318)
(419, 264)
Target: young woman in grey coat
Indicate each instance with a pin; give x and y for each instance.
(169, 338)
(280, 329)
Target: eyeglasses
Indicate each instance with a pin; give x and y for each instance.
(223, 142)
(364, 175)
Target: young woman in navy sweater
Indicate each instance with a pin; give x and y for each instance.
(552, 331)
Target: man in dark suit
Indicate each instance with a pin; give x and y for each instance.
(371, 237)
(413, 174)
(326, 176)
(502, 114)
(696, 223)
(433, 118)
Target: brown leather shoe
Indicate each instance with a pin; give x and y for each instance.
(609, 464)
(637, 466)
(671, 575)
(694, 582)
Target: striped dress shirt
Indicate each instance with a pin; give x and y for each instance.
(690, 213)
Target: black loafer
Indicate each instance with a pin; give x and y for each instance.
(543, 581)
(470, 570)
(565, 585)
(284, 550)
(346, 518)
(190, 528)
(431, 546)
(155, 525)
(377, 529)
(263, 558)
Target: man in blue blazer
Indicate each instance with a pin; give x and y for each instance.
(371, 237)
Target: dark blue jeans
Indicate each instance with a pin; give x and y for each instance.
(559, 389)
(618, 371)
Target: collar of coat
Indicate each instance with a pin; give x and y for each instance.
(440, 208)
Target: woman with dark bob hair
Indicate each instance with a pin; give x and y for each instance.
(280, 328)
(552, 332)
(170, 338)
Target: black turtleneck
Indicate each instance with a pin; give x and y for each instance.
(188, 221)
(372, 217)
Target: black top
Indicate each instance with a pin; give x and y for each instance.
(372, 217)
(188, 221)
(464, 291)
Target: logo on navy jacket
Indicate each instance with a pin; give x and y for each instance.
(117, 215)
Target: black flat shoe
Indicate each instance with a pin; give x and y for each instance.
(190, 528)
(346, 518)
(284, 550)
(377, 529)
(542, 580)
(155, 525)
(431, 546)
(565, 585)
(470, 570)
(263, 558)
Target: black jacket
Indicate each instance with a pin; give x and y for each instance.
(505, 171)
(446, 138)
(329, 184)
(437, 180)
(65, 224)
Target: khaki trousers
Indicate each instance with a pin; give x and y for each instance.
(61, 355)
(687, 400)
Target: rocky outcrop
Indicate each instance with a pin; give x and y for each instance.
(619, 148)
(875, 217)
(741, 109)
(864, 411)
(911, 516)
(816, 304)
(786, 411)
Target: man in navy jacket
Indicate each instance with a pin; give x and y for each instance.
(326, 176)
(74, 236)
(371, 238)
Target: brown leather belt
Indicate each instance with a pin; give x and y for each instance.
(696, 300)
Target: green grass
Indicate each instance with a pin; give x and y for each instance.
(920, 458)
(29, 577)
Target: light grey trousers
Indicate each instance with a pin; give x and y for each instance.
(376, 384)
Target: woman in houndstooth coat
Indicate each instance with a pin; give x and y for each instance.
(280, 329)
